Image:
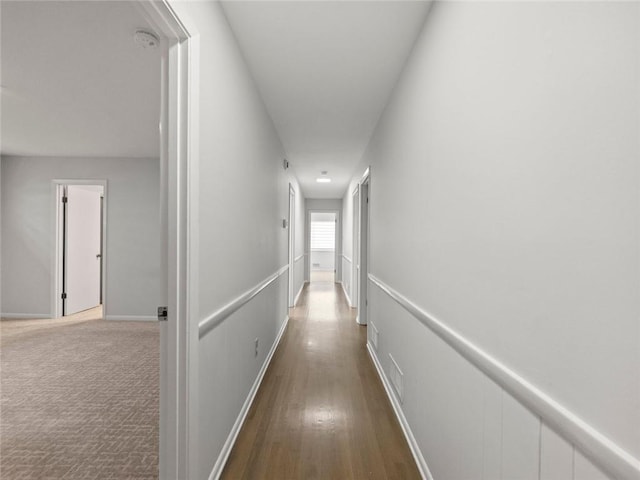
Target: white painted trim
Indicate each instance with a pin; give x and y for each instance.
(25, 316)
(179, 156)
(346, 294)
(132, 318)
(347, 258)
(365, 176)
(295, 301)
(291, 246)
(299, 257)
(603, 452)
(362, 285)
(235, 430)
(411, 440)
(217, 317)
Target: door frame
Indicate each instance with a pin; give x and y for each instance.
(363, 243)
(337, 240)
(355, 251)
(179, 155)
(292, 246)
(57, 186)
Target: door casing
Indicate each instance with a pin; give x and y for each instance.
(179, 153)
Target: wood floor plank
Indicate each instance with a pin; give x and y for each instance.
(321, 411)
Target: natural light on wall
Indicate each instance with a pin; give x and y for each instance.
(323, 235)
(322, 242)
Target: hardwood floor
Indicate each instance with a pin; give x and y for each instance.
(321, 412)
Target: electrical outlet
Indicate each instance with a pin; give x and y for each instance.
(257, 341)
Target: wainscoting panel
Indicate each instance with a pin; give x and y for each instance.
(492, 430)
(442, 393)
(585, 470)
(228, 378)
(556, 456)
(346, 278)
(520, 441)
(464, 421)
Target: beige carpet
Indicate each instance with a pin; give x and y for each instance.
(78, 399)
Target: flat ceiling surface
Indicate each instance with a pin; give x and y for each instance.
(326, 70)
(74, 83)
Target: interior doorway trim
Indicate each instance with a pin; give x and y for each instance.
(337, 254)
(179, 153)
(355, 246)
(291, 294)
(363, 245)
(58, 253)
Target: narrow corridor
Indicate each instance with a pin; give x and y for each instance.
(321, 411)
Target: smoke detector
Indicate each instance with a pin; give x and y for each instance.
(145, 39)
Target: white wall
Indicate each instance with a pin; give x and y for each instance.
(505, 202)
(323, 260)
(243, 198)
(28, 228)
(348, 257)
(319, 204)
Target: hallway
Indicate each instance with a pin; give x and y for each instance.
(481, 164)
(321, 411)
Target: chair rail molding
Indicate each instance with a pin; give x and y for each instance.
(603, 452)
(220, 315)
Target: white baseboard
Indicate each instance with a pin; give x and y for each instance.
(132, 318)
(413, 445)
(25, 316)
(346, 295)
(295, 301)
(235, 430)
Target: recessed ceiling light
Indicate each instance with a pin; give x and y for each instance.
(323, 180)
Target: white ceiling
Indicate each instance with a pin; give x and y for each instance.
(325, 70)
(74, 83)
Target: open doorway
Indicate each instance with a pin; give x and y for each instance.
(292, 246)
(361, 247)
(83, 123)
(322, 246)
(79, 242)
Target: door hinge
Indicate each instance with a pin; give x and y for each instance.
(63, 296)
(65, 199)
(162, 314)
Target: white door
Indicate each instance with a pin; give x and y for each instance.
(82, 252)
